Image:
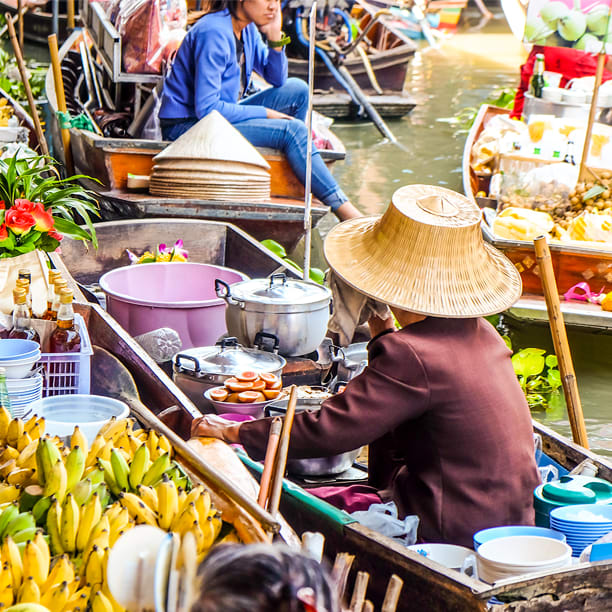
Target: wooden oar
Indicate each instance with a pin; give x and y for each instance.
(281, 456)
(559, 336)
(269, 461)
(42, 143)
(60, 97)
(114, 380)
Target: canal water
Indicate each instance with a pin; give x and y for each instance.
(474, 65)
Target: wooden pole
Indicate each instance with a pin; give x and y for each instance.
(269, 461)
(70, 14)
(42, 143)
(60, 97)
(281, 456)
(20, 21)
(559, 336)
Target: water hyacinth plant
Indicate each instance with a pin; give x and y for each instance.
(37, 208)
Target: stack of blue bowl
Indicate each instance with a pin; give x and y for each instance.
(24, 385)
(582, 524)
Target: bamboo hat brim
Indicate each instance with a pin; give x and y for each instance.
(425, 254)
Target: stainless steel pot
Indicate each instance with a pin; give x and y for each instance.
(198, 369)
(351, 360)
(295, 311)
(318, 466)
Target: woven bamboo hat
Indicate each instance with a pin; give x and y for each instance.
(425, 254)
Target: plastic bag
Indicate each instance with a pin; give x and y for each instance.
(151, 130)
(383, 519)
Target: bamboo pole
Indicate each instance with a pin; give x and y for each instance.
(42, 143)
(281, 456)
(70, 14)
(559, 336)
(269, 461)
(20, 21)
(60, 97)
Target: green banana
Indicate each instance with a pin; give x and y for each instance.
(40, 509)
(154, 473)
(47, 455)
(27, 607)
(24, 535)
(56, 481)
(96, 476)
(180, 480)
(24, 520)
(103, 492)
(121, 469)
(75, 464)
(109, 476)
(139, 465)
(8, 514)
(82, 491)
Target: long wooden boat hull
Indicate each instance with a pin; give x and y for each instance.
(427, 584)
(572, 264)
(38, 22)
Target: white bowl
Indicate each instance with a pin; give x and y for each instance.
(20, 368)
(20, 386)
(449, 555)
(89, 412)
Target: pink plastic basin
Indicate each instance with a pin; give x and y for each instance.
(181, 296)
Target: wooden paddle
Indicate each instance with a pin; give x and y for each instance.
(113, 379)
(269, 460)
(559, 336)
(42, 143)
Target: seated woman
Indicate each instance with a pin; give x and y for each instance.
(263, 578)
(439, 403)
(212, 71)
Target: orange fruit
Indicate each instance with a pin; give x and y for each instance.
(269, 379)
(258, 385)
(238, 385)
(232, 398)
(219, 394)
(251, 396)
(271, 393)
(248, 376)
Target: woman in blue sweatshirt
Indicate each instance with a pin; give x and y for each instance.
(212, 71)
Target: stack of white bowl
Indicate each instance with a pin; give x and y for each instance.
(582, 524)
(18, 358)
(517, 555)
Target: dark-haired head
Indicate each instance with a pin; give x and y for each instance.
(263, 578)
(215, 6)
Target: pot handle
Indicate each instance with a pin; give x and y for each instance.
(222, 289)
(228, 342)
(261, 344)
(179, 356)
(336, 353)
(281, 276)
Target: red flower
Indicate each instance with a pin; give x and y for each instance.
(44, 219)
(56, 235)
(23, 206)
(3, 232)
(2, 206)
(19, 222)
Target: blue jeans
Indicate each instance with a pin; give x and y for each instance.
(290, 137)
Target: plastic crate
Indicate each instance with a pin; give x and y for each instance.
(68, 373)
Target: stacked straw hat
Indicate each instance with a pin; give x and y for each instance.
(211, 161)
(425, 254)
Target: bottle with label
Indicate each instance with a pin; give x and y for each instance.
(569, 153)
(65, 337)
(22, 322)
(24, 283)
(537, 80)
(54, 276)
(60, 284)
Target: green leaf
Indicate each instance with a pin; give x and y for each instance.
(275, 247)
(551, 361)
(69, 228)
(528, 362)
(593, 192)
(508, 342)
(553, 376)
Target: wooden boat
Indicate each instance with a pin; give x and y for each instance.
(427, 584)
(38, 20)
(109, 160)
(388, 57)
(572, 264)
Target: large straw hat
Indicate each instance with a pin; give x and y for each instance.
(425, 254)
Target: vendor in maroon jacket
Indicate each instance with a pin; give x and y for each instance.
(449, 431)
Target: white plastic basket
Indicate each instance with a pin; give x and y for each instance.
(68, 373)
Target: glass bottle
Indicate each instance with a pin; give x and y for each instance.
(22, 321)
(65, 337)
(537, 80)
(54, 276)
(25, 273)
(24, 283)
(569, 153)
(60, 284)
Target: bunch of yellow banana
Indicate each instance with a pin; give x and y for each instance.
(18, 434)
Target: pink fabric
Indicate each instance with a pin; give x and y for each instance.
(351, 499)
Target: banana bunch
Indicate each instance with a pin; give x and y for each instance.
(18, 434)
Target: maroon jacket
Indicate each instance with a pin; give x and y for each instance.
(448, 426)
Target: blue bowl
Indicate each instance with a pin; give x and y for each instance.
(14, 348)
(567, 516)
(484, 535)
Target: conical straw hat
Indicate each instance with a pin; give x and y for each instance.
(213, 137)
(425, 254)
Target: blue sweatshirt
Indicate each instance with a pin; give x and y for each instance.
(205, 74)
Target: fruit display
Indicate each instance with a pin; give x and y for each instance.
(63, 506)
(561, 24)
(247, 388)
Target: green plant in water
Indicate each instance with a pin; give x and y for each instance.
(316, 274)
(539, 377)
(10, 80)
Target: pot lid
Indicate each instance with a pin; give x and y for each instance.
(278, 289)
(228, 358)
